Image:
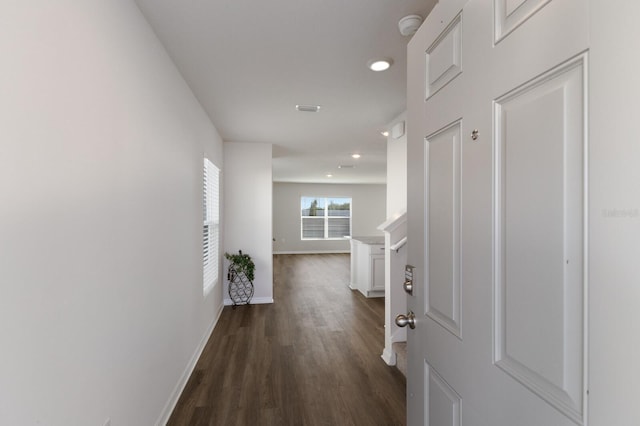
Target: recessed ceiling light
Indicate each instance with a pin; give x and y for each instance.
(382, 64)
(308, 108)
(329, 175)
(355, 155)
(346, 166)
(385, 133)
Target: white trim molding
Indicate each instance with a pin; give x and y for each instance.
(254, 301)
(179, 388)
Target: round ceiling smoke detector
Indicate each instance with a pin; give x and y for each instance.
(409, 24)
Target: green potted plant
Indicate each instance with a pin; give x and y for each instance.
(241, 262)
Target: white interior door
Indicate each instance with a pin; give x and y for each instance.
(496, 214)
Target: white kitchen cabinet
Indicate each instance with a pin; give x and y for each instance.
(367, 265)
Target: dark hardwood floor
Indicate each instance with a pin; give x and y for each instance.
(311, 358)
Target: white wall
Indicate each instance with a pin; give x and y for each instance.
(368, 211)
(247, 208)
(397, 171)
(101, 303)
(395, 260)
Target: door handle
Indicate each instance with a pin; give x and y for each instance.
(406, 320)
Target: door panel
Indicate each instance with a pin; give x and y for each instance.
(443, 228)
(443, 407)
(538, 235)
(509, 14)
(496, 214)
(444, 58)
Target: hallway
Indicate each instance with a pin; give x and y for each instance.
(311, 358)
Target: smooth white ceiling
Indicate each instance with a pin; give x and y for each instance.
(250, 62)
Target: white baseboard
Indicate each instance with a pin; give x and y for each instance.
(374, 293)
(314, 252)
(389, 356)
(254, 301)
(179, 388)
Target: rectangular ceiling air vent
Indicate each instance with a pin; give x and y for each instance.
(308, 108)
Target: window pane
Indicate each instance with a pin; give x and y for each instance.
(325, 217)
(339, 227)
(210, 232)
(339, 207)
(312, 206)
(313, 227)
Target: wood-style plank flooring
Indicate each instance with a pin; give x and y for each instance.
(311, 358)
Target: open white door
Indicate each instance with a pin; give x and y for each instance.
(496, 214)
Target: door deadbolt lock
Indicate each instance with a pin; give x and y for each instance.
(406, 320)
(408, 279)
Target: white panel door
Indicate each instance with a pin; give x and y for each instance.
(496, 214)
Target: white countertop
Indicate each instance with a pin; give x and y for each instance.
(370, 240)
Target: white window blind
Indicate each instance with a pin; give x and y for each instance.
(211, 228)
(325, 218)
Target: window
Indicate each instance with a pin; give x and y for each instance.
(211, 228)
(325, 218)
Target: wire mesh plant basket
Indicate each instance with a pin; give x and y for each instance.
(240, 287)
